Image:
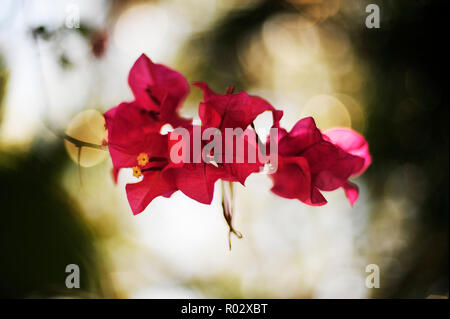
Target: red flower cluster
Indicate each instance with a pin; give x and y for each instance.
(308, 160)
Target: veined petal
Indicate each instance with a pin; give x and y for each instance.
(159, 88)
(293, 180)
(233, 110)
(351, 142)
(142, 193)
(195, 180)
(351, 191)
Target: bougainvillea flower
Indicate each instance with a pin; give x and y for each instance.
(147, 158)
(128, 126)
(355, 144)
(309, 163)
(196, 173)
(232, 110)
(191, 175)
(351, 142)
(134, 142)
(152, 185)
(195, 180)
(236, 111)
(240, 164)
(159, 89)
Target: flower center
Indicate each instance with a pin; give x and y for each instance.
(142, 159)
(137, 171)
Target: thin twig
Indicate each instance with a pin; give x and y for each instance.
(227, 207)
(79, 143)
(75, 141)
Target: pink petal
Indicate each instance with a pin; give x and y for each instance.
(233, 110)
(330, 166)
(353, 143)
(142, 193)
(293, 180)
(242, 165)
(195, 180)
(159, 88)
(351, 191)
(303, 135)
(131, 131)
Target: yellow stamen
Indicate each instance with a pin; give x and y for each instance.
(137, 171)
(142, 159)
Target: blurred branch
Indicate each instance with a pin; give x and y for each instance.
(80, 144)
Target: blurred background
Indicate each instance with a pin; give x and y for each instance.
(64, 63)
